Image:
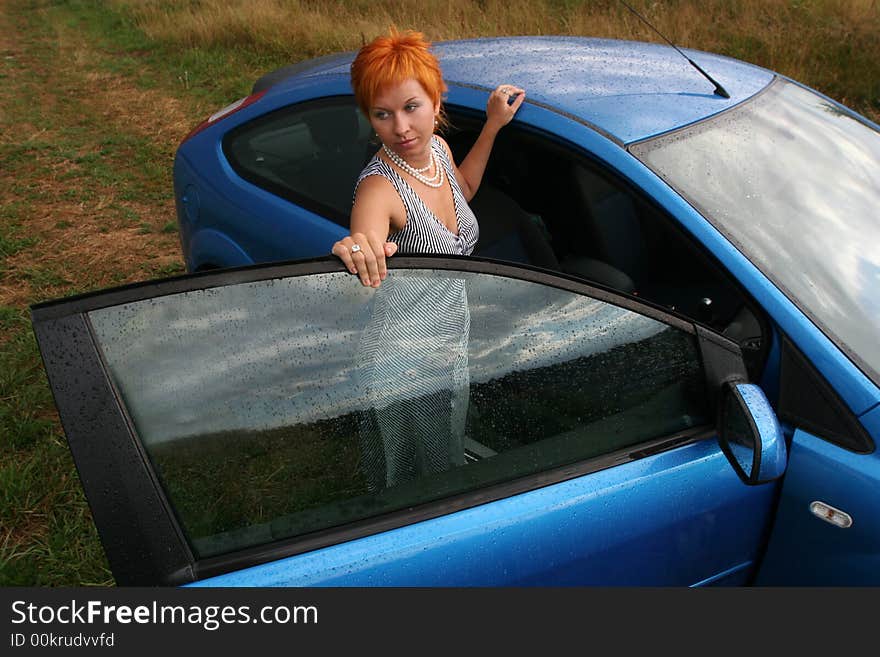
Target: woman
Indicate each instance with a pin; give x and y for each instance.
(412, 197)
(412, 359)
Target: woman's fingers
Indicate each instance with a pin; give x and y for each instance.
(510, 91)
(361, 254)
(504, 102)
(518, 97)
(365, 257)
(379, 253)
(341, 250)
(369, 273)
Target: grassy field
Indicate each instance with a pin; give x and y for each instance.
(95, 97)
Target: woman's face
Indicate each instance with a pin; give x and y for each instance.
(403, 117)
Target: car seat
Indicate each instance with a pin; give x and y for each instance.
(614, 224)
(507, 232)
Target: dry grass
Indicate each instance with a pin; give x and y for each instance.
(832, 45)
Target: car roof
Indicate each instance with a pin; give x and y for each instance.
(631, 90)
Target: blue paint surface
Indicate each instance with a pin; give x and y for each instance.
(805, 549)
(678, 518)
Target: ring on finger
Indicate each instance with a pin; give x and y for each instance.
(355, 248)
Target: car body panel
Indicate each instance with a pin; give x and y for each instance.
(631, 90)
(686, 519)
(804, 548)
(210, 246)
(871, 420)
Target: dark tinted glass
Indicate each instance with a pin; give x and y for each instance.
(310, 154)
(280, 407)
(739, 433)
(794, 181)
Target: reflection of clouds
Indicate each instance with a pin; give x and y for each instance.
(247, 355)
(799, 188)
(540, 327)
(273, 353)
(205, 323)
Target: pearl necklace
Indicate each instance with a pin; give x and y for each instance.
(434, 181)
(406, 165)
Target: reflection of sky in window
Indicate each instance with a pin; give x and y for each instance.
(271, 353)
(795, 182)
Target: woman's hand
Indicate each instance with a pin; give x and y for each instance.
(499, 109)
(365, 256)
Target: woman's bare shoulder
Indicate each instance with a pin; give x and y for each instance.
(374, 184)
(376, 198)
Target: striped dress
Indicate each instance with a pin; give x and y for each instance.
(424, 232)
(412, 360)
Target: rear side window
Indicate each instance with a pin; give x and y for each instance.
(282, 407)
(310, 154)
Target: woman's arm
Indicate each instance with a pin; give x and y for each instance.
(364, 250)
(498, 114)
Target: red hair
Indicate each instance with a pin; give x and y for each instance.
(390, 60)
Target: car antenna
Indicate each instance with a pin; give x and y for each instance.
(719, 90)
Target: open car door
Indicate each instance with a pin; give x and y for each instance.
(467, 423)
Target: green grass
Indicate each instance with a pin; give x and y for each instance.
(163, 271)
(11, 241)
(50, 544)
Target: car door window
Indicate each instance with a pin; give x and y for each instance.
(277, 408)
(310, 154)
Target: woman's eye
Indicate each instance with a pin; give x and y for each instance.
(411, 108)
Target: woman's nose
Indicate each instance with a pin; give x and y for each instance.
(401, 125)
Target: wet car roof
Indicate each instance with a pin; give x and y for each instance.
(629, 89)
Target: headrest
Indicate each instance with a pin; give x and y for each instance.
(334, 128)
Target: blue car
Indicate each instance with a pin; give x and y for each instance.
(668, 371)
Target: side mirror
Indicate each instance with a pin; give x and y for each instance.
(750, 435)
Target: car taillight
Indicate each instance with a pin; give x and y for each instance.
(241, 103)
